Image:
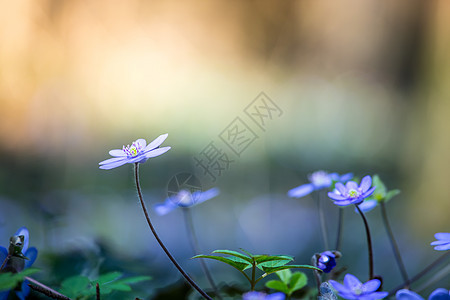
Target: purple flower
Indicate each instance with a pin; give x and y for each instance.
(354, 289)
(326, 261)
(184, 198)
(319, 180)
(30, 253)
(351, 193)
(138, 152)
(253, 295)
(438, 294)
(443, 241)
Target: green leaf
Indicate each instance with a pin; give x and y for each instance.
(74, 286)
(134, 279)
(391, 194)
(246, 252)
(108, 277)
(298, 281)
(269, 270)
(266, 258)
(234, 253)
(119, 287)
(235, 262)
(277, 285)
(7, 281)
(285, 275)
(380, 191)
(272, 264)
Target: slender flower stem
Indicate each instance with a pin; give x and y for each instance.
(316, 274)
(4, 262)
(172, 259)
(369, 242)
(421, 273)
(340, 226)
(97, 291)
(42, 288)
(196, 249)
(394, 245)
(323, 225)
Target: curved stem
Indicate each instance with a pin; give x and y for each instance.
(172, 259)
(340, 226)
(42, 288)
(196, 249)
(323, 225)
(421, 273)
(394, 245)
(369, 242)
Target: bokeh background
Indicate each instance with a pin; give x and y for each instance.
(363, 87)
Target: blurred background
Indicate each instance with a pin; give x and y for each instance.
(360, 86)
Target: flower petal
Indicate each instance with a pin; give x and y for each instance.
(335, 196)
(351, 282)
(439, 294)
(341, 188)
(435, 243)
(371, 286)
(3, 254)
(442, 236)
(366, 182)
(443, 247)
(24, 231)
(164, 208)
(405, 294)
(111, 160)
(199, 196)
(367, 205)
(4, 295)
(113, 165)
(346, 177)
(301, 190)
(117, 153)
(375, 296)
(156, 142)
(275, 296)
(31, 253)
(156, 152)
(351, 185)
(344, 202)
(340, 288)
(25, 290)
(368, 193)
(141, 143)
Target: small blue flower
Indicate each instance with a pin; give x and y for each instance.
(326, 261)
(443, 241)
(354, 289)
(319, 180)
(184, 198)
(138, 152)
(30, 253)
(262, 296)
(351, 193)
(438, 294)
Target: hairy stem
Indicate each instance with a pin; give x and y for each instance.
(5, 261)
(196, 249)
(172, 259)
(316, 274)
(369, 242)
(43, 289)
(394, 245)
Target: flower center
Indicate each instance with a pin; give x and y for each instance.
(133, 150)
(358, 290)
(353, 193)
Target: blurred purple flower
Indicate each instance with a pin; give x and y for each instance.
(326, 261)
(184, 198)
(351, 193)
(319, 180)
(253, 295)
(443, 241)
(138, 152)
(438, 294)
(30, 253)
(367, 205)
(354, 289)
